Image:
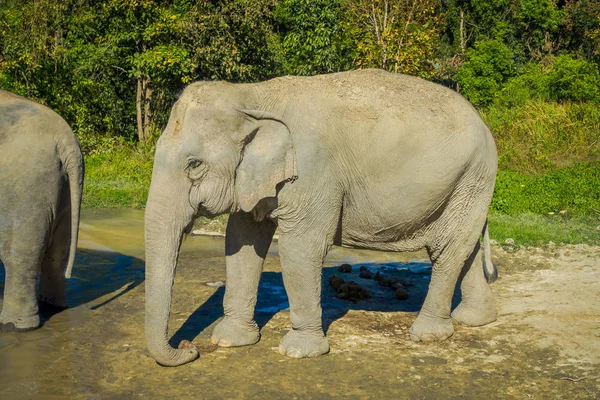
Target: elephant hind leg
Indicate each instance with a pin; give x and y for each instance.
(477, 306)
(20, 308)
(53, 284)
(455, 237)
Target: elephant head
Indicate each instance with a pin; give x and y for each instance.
(216, 155)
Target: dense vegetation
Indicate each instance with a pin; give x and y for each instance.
(112, 69)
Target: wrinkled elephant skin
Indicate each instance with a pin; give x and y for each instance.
(362, 159)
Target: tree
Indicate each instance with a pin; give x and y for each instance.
(395, 35)
(311, 36)
(488, 65)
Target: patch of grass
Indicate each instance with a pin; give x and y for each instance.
(538, 137)
(537, 230)
(574, 190)
(118, 178)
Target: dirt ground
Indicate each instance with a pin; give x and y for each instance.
(544, 345)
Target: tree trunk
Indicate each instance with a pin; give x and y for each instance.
(147, 109)
(138, 106)
(463, 43)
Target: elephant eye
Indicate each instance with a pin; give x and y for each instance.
(193, 163)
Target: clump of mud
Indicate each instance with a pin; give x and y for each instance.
(399, 285)
(345, 268)
(348, 290)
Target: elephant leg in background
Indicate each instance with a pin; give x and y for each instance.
(22, 265)
(302, 257)
(458, 231)
(477, 306)
(246, 244)
(53, 284)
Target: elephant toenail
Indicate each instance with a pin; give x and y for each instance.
(293, 353)
(186, 344)
(281, 350)
(224, 343)
(214, 340)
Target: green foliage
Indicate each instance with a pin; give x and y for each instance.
(488, 65)
(572, 79)
(395, 35)
(538, 137)
(537, 20)
(564, 79)
(575, 191)
(311, 37)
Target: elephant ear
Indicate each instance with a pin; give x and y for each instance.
(268, 158)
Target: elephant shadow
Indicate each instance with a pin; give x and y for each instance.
(272, 297)
(98, 278)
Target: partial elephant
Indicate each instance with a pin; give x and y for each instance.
(363, 159)
(41, 180)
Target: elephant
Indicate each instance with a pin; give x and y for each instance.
(41, 181)
(364, 159)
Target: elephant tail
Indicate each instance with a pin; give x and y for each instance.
(489, 269)
(74, 169)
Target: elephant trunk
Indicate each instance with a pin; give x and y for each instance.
(164, 231)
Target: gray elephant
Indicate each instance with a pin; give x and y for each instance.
(41, 179)
(362, 159)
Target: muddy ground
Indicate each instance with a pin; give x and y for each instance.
(545, 344)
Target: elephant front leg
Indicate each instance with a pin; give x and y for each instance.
(301, 263)
(246, 245)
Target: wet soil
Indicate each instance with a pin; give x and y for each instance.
(545, 344)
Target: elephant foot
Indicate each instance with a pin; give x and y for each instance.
(19, 324)
(429, 329)
(296, 344)
(228, 333)
(478, 315)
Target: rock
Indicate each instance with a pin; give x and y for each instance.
(385, 281)
(401, 294)
(215, 284)
(345, 268)
(377, 276)
(366, 274)
(363, 268)
(356, 292)
(509, 241)
(348, 290)
(398, 283)
(335, 282)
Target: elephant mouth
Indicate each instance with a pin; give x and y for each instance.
(202, 211)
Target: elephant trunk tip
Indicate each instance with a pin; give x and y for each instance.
(168, 356)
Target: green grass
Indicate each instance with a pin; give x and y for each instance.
(537, 230)
(573, 190)
(539, 137)
(119, 178)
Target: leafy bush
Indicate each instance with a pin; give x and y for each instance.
(489, 64)
(565, 79)
(573, 79)
(311, 39)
